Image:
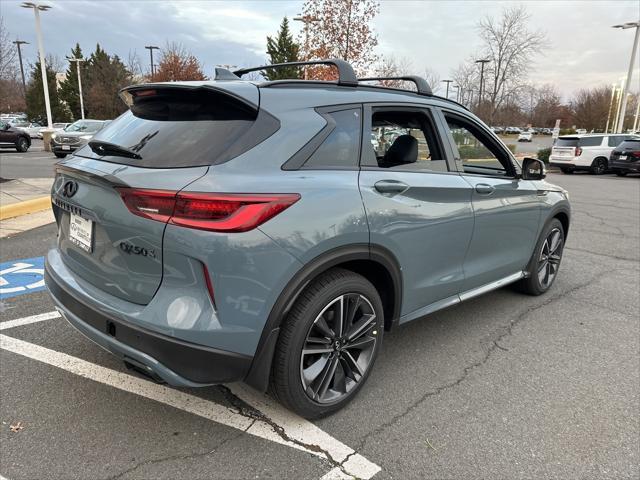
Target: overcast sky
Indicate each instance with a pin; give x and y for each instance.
(583, 51)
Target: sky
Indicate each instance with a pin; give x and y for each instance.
(583, 50)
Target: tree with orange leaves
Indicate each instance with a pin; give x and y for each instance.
(339, 29)
(178, 64)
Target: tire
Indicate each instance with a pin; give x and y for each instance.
(22, 144)
(621, 174)
(539, 280)
(599, 166)
(60, 155)
(566, 171)
(297, 379)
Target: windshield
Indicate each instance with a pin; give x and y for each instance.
(84, 126)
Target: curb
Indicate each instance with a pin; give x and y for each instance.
(23, 208)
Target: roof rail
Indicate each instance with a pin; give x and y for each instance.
(346, 75)
(421, 84)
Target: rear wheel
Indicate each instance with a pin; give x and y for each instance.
(599, 166)
(60, 155)
(22, 145)
(566, 170)
(545, 263)
(328, 344)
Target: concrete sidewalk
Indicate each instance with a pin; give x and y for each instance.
(17, 191)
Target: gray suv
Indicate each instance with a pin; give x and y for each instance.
(272, 231)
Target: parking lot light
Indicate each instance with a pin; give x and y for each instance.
(37, 8)
(623, 108)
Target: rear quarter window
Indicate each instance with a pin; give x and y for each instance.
(341, 148)
(566, 142)
(590, 141)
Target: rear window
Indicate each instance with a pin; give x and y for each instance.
(566, 142)
(176, 127)
(633, 144)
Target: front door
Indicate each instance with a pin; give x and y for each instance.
(506, 208)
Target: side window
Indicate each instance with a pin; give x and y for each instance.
(476, 153)
(591, 141)
(615, 141)
(405, 140)
(340, 149)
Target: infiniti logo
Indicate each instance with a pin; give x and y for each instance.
(69, 189)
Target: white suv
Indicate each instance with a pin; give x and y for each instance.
(585, 152)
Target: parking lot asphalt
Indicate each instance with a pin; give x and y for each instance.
(35, 163)
(502, 386)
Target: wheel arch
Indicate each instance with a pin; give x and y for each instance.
(373, 262)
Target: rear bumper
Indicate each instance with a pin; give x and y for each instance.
(159, 356)
(624, 165)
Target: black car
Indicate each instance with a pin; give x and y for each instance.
(625, 158)
(12, 137)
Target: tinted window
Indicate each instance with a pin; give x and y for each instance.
(614, 141)
(405, 140)
(566, 142)
(179, 128)
(630, 145)
(340, 148)
(590, 141)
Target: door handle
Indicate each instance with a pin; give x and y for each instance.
(391, 187)
(484, 189)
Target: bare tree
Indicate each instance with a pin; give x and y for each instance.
(433, 79)
(510, 46)
(8, 53)
(390, 66)
(134, 65)
(467, 77)
(590, 107)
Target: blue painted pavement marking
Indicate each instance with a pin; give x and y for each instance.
(18, 277)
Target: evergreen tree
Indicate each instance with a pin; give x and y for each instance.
(36, 109)
(105, 76)
(69, 91)
(282, 49)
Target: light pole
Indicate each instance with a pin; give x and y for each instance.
(24, 84)
(306, 20)
(447, 82)
(481, 62)
(36, 7)
(457, 87)
(623, 109)
(151, 48)
(613, 95)
(78, 60)
(614, 128)
(635, 120)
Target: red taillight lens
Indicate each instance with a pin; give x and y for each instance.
(578, 151)
(215, 212)
(634, 154)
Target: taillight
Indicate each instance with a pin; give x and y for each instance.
(219, 212)
(578, 151)
(635, 154)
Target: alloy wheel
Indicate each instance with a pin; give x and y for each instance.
(338, 348)
(550, 257)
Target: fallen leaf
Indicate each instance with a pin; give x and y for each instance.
(17, 427)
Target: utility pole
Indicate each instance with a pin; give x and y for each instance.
(635, 120)
(447, 82)
(37, 8)
(623, 109)
(151, 48)
(481, 62)
(306, 20)
(618, 107)
(24, 83)
(457, 87)
(78, 60)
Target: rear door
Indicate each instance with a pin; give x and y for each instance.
(506, 208)
(416, 206)
(167, 140)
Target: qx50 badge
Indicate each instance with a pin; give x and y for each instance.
(132, 249)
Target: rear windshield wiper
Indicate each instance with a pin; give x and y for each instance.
(106, 148)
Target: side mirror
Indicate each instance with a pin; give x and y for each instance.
(533, 169)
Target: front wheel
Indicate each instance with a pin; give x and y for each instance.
(566, 171)
(545, 263)
(599, 166)
(22, 145)
(60, 155)
(328, 344)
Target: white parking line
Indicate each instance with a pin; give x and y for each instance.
(295, 432)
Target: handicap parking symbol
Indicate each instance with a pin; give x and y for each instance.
(18, 277)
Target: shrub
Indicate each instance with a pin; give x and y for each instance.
(543, 154)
